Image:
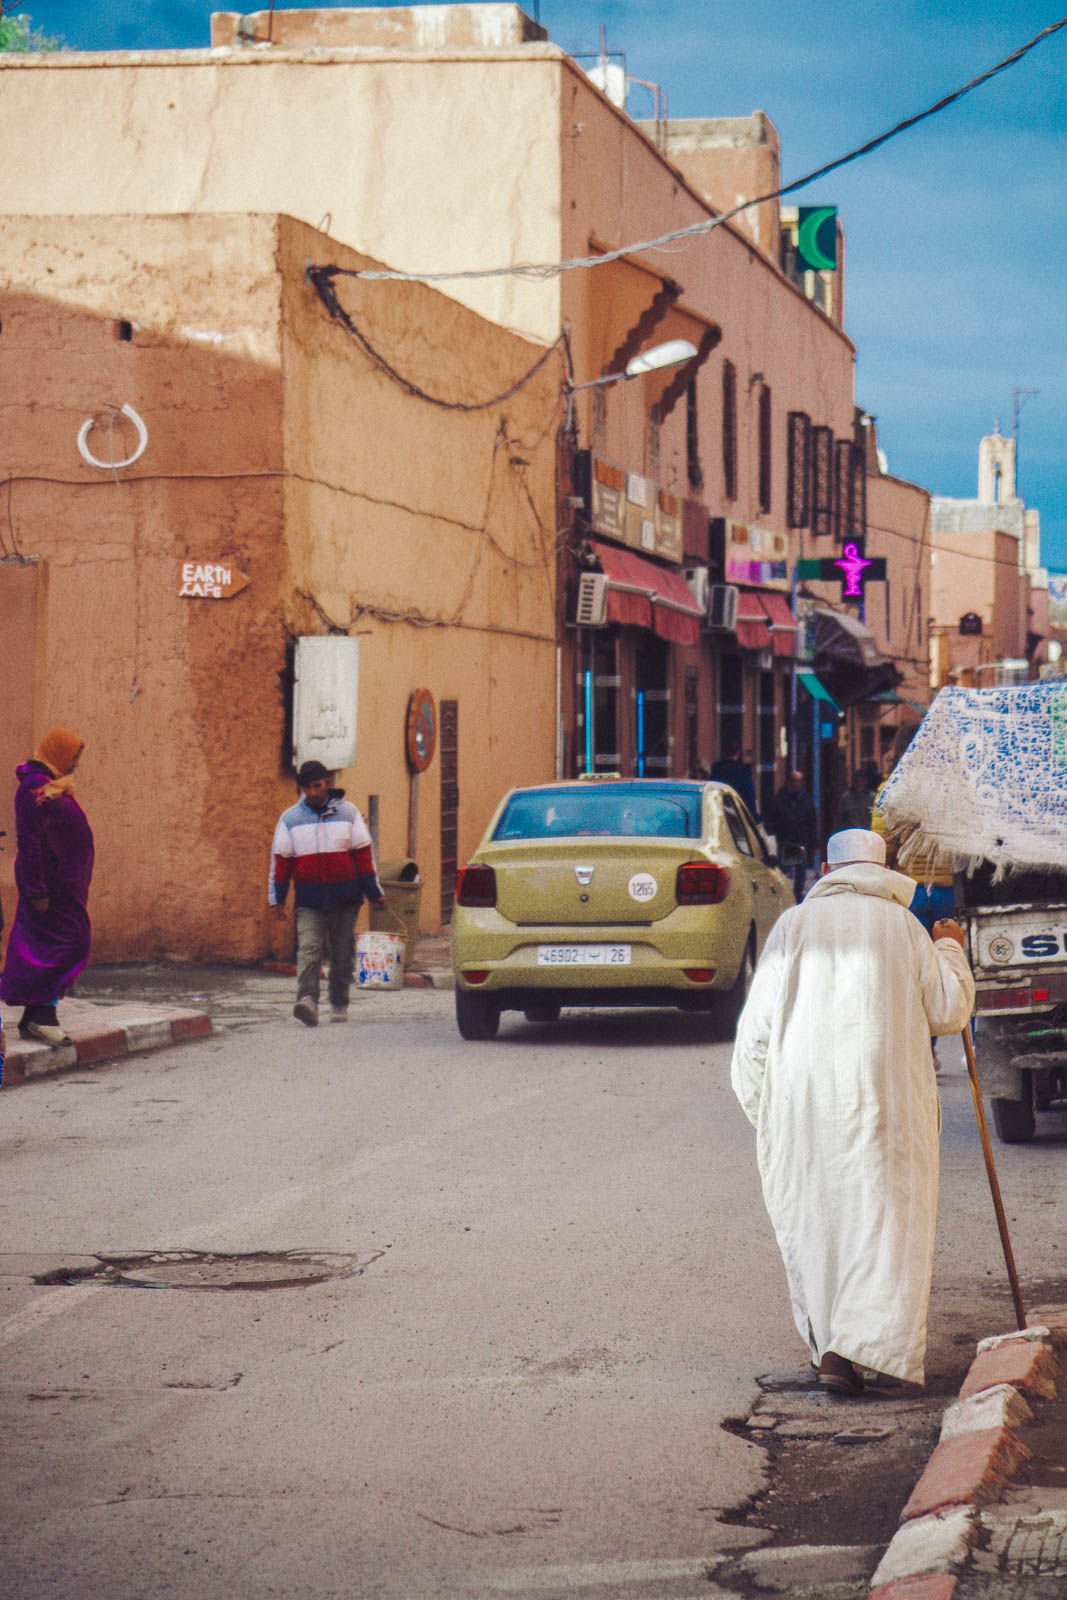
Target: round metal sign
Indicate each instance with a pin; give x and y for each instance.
(421, 730)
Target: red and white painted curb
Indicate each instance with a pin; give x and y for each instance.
(978, 1452)
(92, 1044)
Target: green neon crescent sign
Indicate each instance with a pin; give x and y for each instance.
(817, 237)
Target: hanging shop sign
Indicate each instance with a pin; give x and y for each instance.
(210, 580)
(756, 556)
(634, 509)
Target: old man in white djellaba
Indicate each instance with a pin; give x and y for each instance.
(833, 1067)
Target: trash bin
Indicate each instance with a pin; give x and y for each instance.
(402, 888)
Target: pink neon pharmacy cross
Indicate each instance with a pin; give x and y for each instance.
(852, 565)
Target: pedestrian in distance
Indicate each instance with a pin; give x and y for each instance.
(832, 1066)
(323, 846)
(856, 804)
(731, 769)
(792, 821)
(51, 933)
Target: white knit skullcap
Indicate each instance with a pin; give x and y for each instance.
(855, 844)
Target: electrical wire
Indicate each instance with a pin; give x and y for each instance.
(545, 270)
(321, 279)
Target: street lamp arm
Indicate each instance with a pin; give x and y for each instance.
(672, 354)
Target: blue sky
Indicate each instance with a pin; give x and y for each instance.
(956, 231)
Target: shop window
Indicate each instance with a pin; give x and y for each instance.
(597, 710)
(692, 438)
(692, 720)
(764, 448)
(766, 737)
(653, 441)
(729, 430)
(798, 477)
(822, 480)
(652, 704)
(731, 703)
(843, 506)
(858, 470)
(600, 415)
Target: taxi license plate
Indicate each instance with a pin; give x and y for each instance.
(583, 955)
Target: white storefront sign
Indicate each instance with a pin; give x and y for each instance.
(325, 700)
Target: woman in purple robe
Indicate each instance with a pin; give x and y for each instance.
(50, 936)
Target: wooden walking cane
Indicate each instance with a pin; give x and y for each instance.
(991, 1173)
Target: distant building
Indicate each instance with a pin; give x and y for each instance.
(989, 591)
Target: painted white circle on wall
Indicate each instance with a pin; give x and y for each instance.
(643, 887)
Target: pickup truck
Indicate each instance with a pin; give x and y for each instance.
(1017, 943)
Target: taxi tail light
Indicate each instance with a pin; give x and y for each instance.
(475, 977)
(701, 884)
(699, 974)
(476, 886)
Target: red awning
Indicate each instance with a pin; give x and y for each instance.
(783, 623)
(752, 627)
(644, 595)
(764, 619)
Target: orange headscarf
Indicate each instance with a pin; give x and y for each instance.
(58, 751)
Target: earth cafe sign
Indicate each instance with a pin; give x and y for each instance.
(210, 581)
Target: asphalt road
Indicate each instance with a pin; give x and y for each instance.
(550, 1281)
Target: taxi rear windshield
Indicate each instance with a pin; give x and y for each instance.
(623, 810)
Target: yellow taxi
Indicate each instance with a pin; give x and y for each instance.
(617, 892)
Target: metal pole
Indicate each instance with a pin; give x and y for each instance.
(991, 1173)
(413, 814)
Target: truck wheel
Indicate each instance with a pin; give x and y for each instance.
(1014, 1120)
(477, 1015)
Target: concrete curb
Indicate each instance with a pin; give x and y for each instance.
(93, 1045)
(977, 1454)
(421, 978)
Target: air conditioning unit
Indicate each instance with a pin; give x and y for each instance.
(722, 605)
(592, 608)
(697, 579)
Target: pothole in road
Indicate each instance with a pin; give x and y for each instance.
(207, 1269)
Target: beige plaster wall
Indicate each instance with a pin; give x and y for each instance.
(427, 27)
(178, 729)
(360, 142)
(428, 531)
(727, 160)
(274, 447)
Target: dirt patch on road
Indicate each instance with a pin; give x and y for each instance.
(840, 1470)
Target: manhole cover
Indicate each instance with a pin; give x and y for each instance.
(204, 1269)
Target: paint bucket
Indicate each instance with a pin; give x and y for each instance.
(380, 961)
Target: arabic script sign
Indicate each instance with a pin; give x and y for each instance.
(207, 580)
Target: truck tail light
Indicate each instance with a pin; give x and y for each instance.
(701, 884)
(476, 886)
(1004, 1000)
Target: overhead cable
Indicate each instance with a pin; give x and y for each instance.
(545, 270)
(321, 278)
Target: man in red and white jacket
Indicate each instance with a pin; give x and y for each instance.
(323, 845)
